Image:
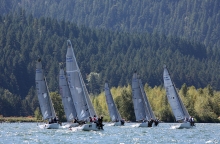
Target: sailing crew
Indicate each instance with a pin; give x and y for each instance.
(94, 118)
(100, 125)
(90, 119)
(75, 120)
(150, 122)
(50, 120)
(55, 120)
(186, 119)
(156, 121)
(122, 121)
(191, 120)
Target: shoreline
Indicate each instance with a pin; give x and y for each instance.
(18, 119)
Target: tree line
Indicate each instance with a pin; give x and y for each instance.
(202, 104)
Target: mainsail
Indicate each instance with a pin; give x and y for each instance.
(67, 100)
(142, 107)
(45, 102)
(77, 87)
(147, 106)
(175, 102)
(113, 111)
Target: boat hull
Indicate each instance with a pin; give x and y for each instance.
(91, 126)
(52, 126)
(186, 125)
(118, 124)
(145, 124)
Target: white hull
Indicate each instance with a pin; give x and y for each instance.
(186, 125)
(50, 126)
(92, 126)
(143, 125)
(118, 124)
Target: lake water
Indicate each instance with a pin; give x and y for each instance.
(25, 133)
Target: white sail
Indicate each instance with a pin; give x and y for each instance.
(174, 100)
(90, 107)
(67, 100)
(142, 108)
(77, 87)
(149, 111)
(45, 102)
(113, 111)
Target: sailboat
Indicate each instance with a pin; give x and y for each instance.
(45, 102)
(177, 106)
(113, 111)
(67, 101)
(82, 102)
(142, 108)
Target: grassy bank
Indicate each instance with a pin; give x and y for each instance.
(18, 119)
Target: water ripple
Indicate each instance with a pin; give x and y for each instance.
(30, 133)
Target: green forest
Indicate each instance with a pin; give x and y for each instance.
(107, 48)
(196, 20)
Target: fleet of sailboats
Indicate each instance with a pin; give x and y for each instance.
(180, 112)
(113, 111)
(77, 104)
(142, 108)
(45, 102)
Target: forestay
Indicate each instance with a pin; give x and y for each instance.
(175, 102)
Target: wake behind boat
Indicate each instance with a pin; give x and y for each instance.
(113, 111)
(45, 102)
(142, 108)
(180, 112)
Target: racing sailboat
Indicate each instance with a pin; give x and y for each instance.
(180, 112)
(45, 102)
(82, 102)
(142, 108)
(67, 101)
(113, 111)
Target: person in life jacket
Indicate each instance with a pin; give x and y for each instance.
(150, 122)
(100, 120)
(94, 118)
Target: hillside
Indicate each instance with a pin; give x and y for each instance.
(101, 54)
(196, 20)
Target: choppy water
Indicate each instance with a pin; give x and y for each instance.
(22, 133)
